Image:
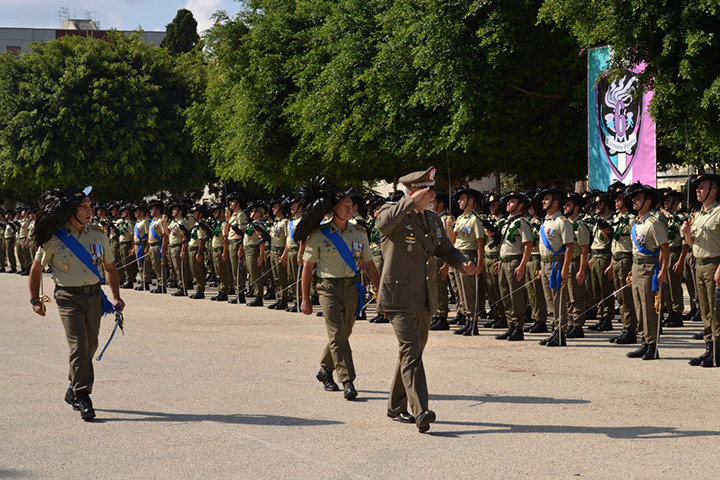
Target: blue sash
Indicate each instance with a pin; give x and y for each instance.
(346, 255)
(84, 256)
(292, 230)
(156, 237)
(650, 253)
(555, 274)
(138, 253)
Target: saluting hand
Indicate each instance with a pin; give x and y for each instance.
(423, 198)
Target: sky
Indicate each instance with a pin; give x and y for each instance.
(151, 15)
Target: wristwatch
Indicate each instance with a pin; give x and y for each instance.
(35, 301)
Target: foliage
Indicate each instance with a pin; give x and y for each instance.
(680, 42)
(181, 34)
(107, 113)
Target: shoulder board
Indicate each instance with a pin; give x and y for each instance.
(563, 218)
(97, 228)
(652, 219)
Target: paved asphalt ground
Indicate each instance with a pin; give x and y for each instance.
(198, 389)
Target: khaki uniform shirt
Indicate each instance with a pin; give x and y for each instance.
(252, 236)
(581, 235)
(320, 250)
(278, 233)
(675, 236)
(290, 232)
(176, 234)
(9, 231)
(22, 232)
(621, 242)
(125, 228)
(197, 234)
(535, 225)
(156, 225)
(599, 243)
(499, 223)
(649, 232)
(706, 232)
(218, 239)
(515, 233)
(142, 229)
(468, 230)
(238, 220)
(559, 232)
(67, 269)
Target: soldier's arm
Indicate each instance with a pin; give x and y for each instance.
(391, 214)
(307, 274)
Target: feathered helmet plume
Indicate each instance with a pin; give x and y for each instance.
(317, 199)
(57, 207)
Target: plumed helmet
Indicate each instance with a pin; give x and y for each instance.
(317, 198)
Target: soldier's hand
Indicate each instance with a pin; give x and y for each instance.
(224, 256)
(39, 309)
(228, 214)
(677, 268)
(119, 304)
(469, 268)
(283, 260)
(661, 278)
(444, 271)
(423, 198)
(182, 255)
(580, 277)
(198, 258)
(260, 261)
(685, 228)
(478, 268)
(306, 306)
(609, 272)
(519, 272)
(565, 274)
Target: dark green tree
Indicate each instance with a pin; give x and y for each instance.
(679, 40)
(103, 113)
(181, 34)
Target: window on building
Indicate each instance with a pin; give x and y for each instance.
(13, 50)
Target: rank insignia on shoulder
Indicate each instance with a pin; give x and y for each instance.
(97, 228)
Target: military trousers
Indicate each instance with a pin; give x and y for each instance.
(237, 265)
(602, 286)
(197, 269)
(181, 267)
(644, 299)
(2, 254)
(10, 253)
(80, 316)
(689, 276)
(159, 264)
(279, 272)
(470, 287)
(222, 270)
(673, 293)
(621, 270)
(705, 284)
(144, 264)
(252, 254)
(556, 299)
(536, 297)
(293, 270)
(512, 293)
(443, 286)
(128, 269)
(23, 253)
(493, 287)
(338, 305)
(577, 296)
(409, 385)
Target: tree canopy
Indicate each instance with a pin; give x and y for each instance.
(102, 112)
(679, 40)
(181, 34)
(367, 90)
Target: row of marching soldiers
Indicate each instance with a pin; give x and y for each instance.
(242, 249)
(547, 261)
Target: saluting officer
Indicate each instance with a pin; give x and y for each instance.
(649, 270)
(703, 235)
(412, 237)
(69, 244)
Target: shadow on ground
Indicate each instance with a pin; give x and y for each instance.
(633, 432)
(233, 419)
(509, 399)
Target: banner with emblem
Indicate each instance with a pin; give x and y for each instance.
(621, 133)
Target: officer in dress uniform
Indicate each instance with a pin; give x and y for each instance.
(577, 294)
(468, 236)
(650, 263)
(703, 235)
(77, 290)
(237, 222)
(278, 258)
(621, 264)
(197, 243)
(220, 253)
(339, 251)
(515, 250)
(412, 237)
(601, 250)
(673, 294)
(141, 248)
(557, 244)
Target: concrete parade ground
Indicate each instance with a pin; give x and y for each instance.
(196, 389)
